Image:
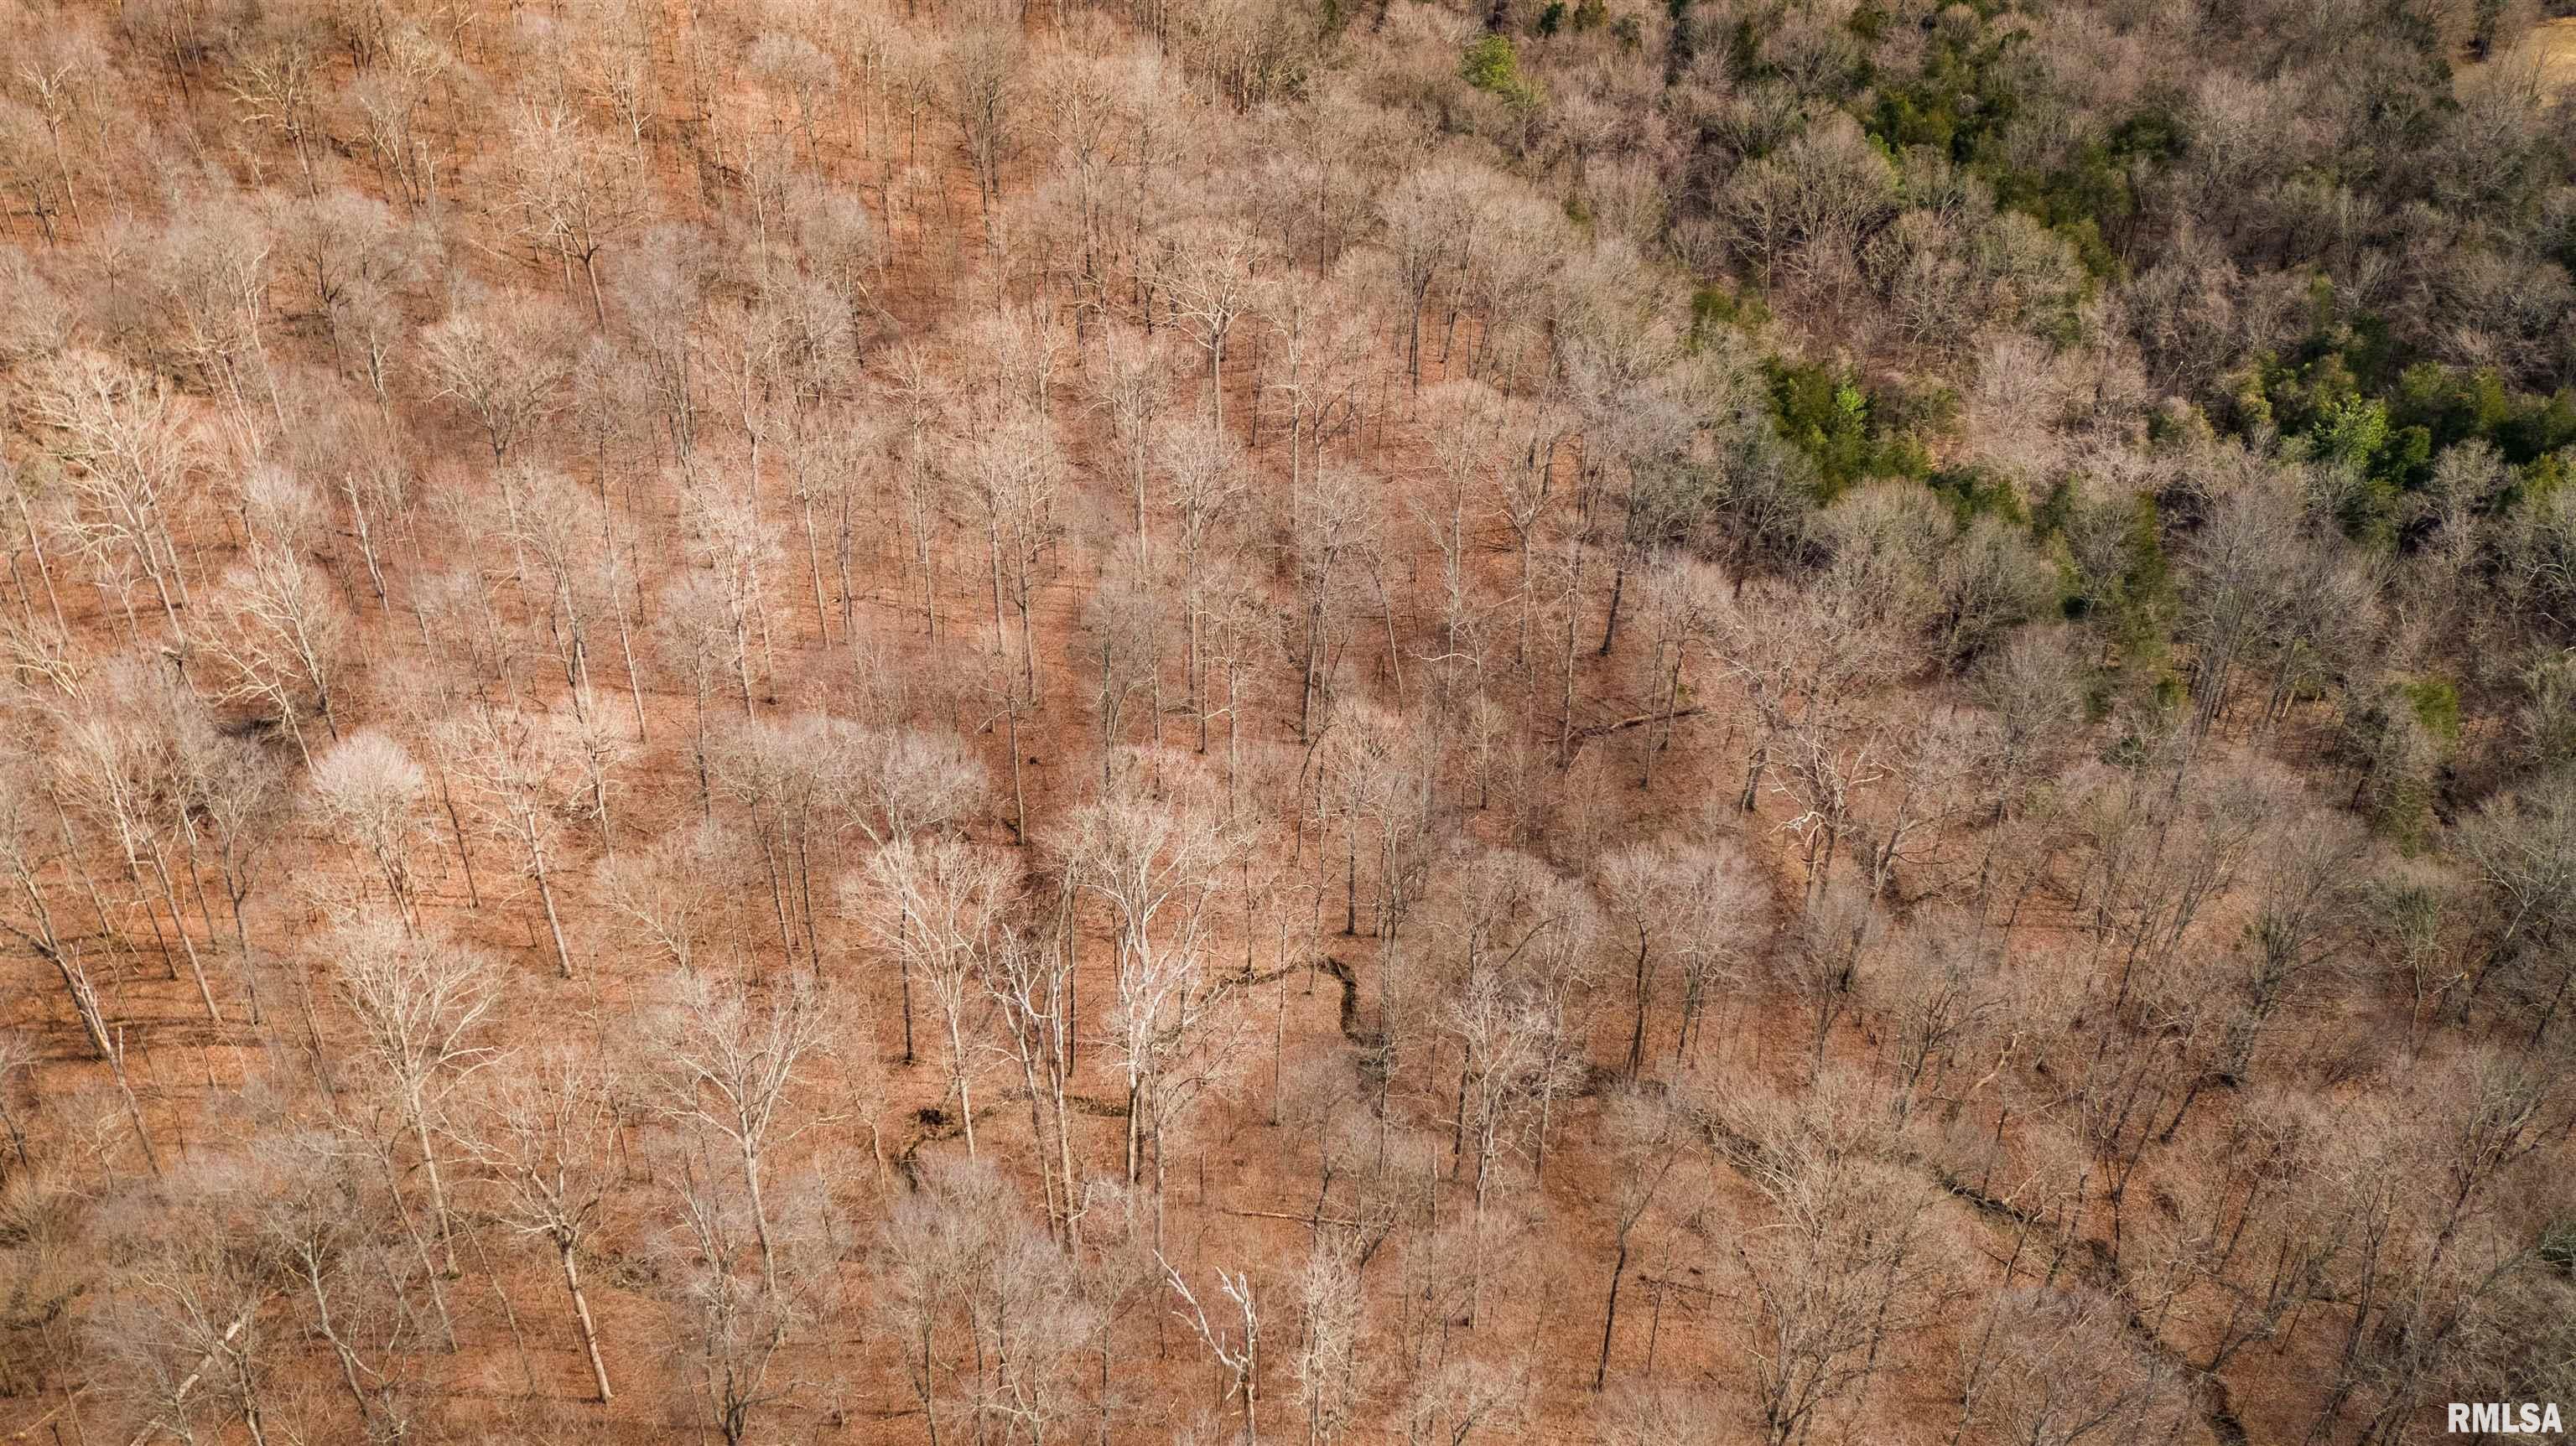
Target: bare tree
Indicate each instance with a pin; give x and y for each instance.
(501, 361)
(1840, 933)
(1450, 1400)
(1849, 1266)
(313, 1221)
(115, 761)
(1940, 990)
(573, 194)
(1210, 276)
(1124, 619)
(1236, 1349)
(541, 1137)
(2067, 1370)
(29, 847)
(673, 891)
(1331, 1380)
(730, 1068)
(369, 791)
(210, 270)
(979, 95)
(126, 451)
(737, 1327)
(1154, 848)
(423, 1004)
(516, 775)
(1008, 478)
(945, 898)
(1130, 385)
(966, 1267)
(182, 1321)
(281, 642)
(1644, 1139)
(1203, 484)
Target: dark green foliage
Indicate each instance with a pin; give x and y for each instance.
(1963, 104)
(1972, 493)
(1491, 65)
(2055, 510)
(1684, 44)
(2397, 744)
(1746, 64)
(1965, 97)
(1849, 434)
(2454, 406)
(2092, 200)
(2134, 606)
(2436, 705)
(1713, 307)
(2557, 1246)
(1552, 19)
(2350, 395)
(1824, 413)
(1744, 51)
(2142, 609)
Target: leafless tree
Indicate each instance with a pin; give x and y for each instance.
(516, 777)
(1940, 988)
(540, 1137)
(30, 845)
(313, 1221)
(731, 1067)
(737, 552)
(1428, 214)
(1124, 619)
(503, 362)
(1237, 1349)
(1646, 1141)
(1153, 848)
(1331, 1379)
(1329, 533)
(281, 643)
(737, 1327)
(2524, 850)
(1849, 1267)
(980, 93)
(1008, 479)
(2066, 1370)
(573, 194)
(1449, 1402)
(1324, 366)
(1211, 277)
(946, 899)
(1130, 385)
(423, 1004)
(1839, 934)
(210, 272)
(183, 1322)
(115, 763)
(369, 792)
(674, 890)
(126, 451)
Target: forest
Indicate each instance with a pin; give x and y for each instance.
(1326, 722)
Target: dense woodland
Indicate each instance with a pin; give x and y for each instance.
(1779, 721)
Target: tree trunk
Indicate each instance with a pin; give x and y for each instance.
(1610, 1316)
(437, 1189)
(546, 894)
(581, 1315)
